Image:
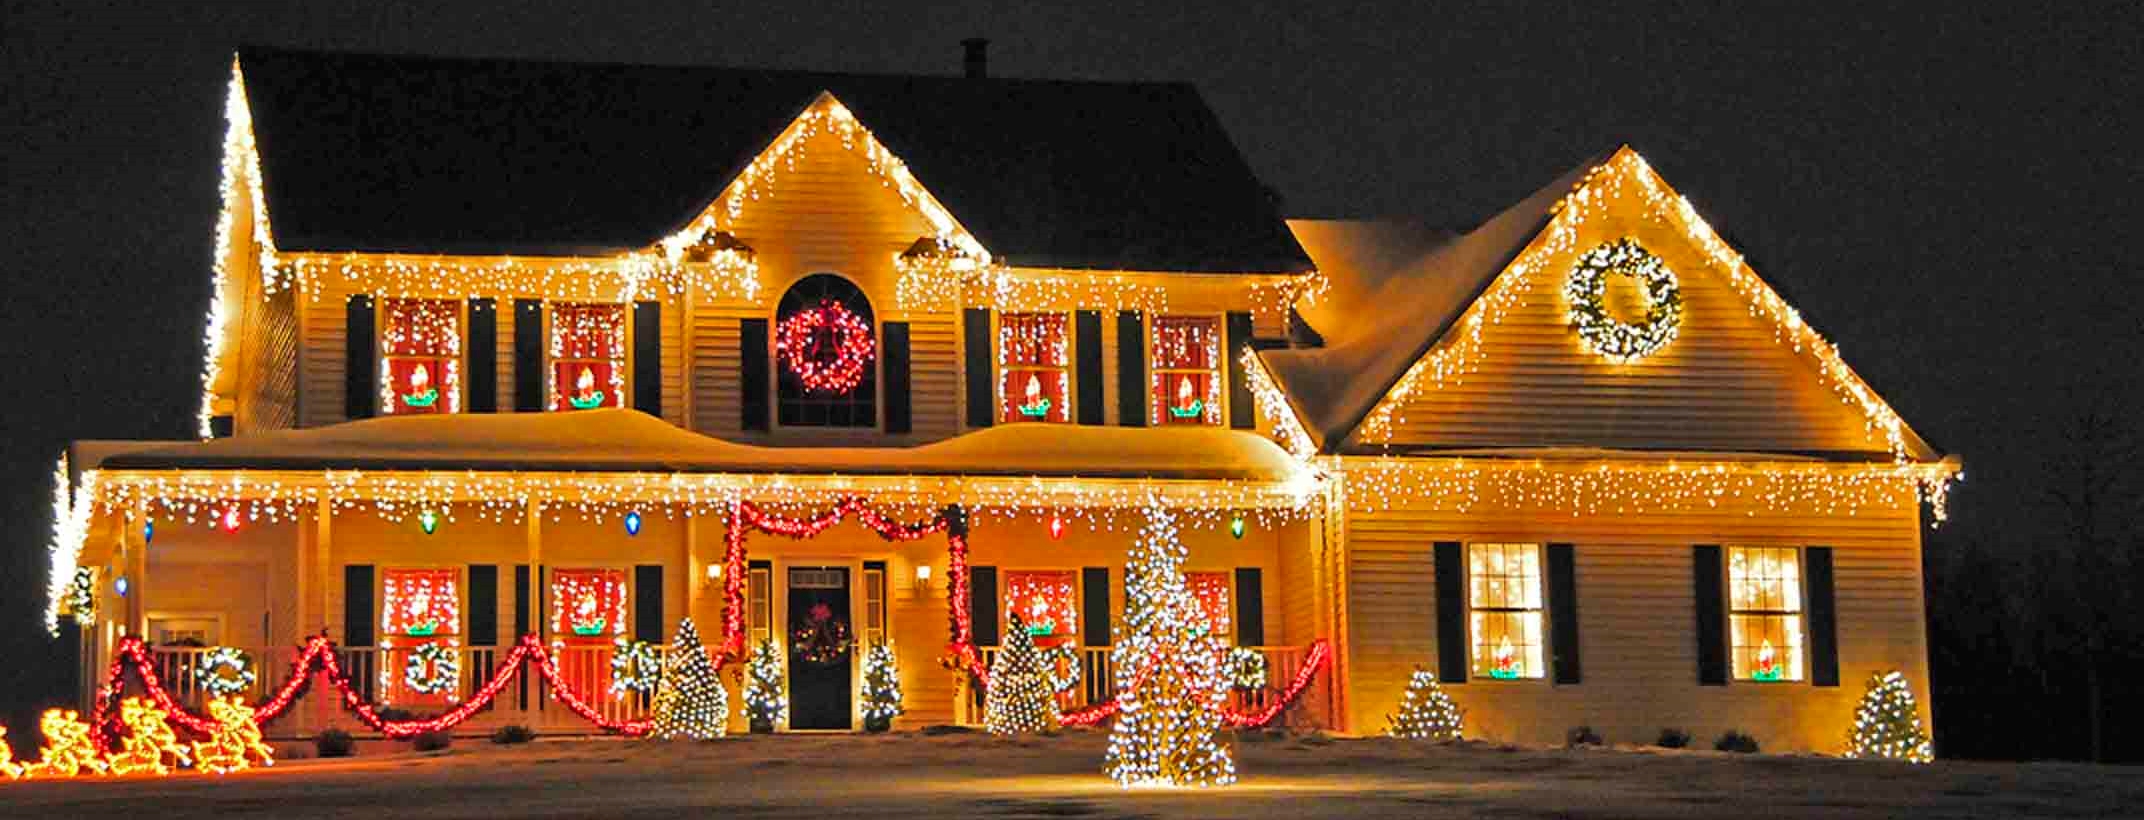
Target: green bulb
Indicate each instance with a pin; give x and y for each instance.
(1235, 526)
(429, 521)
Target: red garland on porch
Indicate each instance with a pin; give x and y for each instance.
(1313, 662)
(319, 657)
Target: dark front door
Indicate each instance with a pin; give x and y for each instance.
(821, 642)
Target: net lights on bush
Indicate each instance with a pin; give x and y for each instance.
(1887, 723)
(1426, 712)
(826, 346)
(690, 703)
(1022, 696)
(1171, 688)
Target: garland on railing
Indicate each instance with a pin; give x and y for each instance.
(1313, 661)
(318, 656)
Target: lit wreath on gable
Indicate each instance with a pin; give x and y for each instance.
(1619, 341)
(827, 346)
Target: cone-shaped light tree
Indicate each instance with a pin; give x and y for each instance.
(882, 688)
(1022, 695)
(690, 702)
(764, 702)
(1887, 726)
(1426, 712)
(1170, 683)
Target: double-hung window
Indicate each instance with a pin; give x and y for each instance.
(421, 345)
(1764, 613)
(1504, 604)
(1034, 380)
(1215, 593)
(588, 347)
(1047, 602)
(1186, 380)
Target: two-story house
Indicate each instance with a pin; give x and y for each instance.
(577, 351)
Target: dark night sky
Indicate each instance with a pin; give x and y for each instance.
(1945, 194)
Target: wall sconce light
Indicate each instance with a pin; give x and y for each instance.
(714, 574)
(923, 576)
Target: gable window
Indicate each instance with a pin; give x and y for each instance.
(1764, 613)
(1186, 380)
(1504, 603)
(1047, 601)
(588, 347)
(1034, 382)
(826, 351)
(1215, 593)
(588, 604)
(421, 345)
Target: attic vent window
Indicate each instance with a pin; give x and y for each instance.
(721, 248)
(932, 271)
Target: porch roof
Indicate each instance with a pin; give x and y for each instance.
(613, 440)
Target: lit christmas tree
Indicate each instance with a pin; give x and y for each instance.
(149, 741)
(690, 702)
(1170, 682)
(235, 744)
(1022, 698)
(1426, 712)
(764, 702)
(1887, 726)
(882, 688)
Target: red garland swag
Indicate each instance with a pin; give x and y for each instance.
(826, 346)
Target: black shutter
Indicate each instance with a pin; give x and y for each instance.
(357, 610)
(1707, 579)
(983, 605)
(1823, 619)
(648, 358)
(1131, 369)
(1094, 606)
(982, 384)
(752, 380)
(1451, 613)
(360, 357)
(523, 615)
(483, 367)
(648, 603)
(528, 356)
(1242, 413)
(899, 410)
(483, 606)
(1087, 374)
(1250, 607)
(1563, 613)
(220, 426)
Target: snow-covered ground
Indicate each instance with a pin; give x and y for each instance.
(974, 776)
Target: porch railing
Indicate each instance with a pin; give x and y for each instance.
(1098, 681)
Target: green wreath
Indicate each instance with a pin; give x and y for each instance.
(432, 668)
(1246, 668)
(1606, 335)
(224, 670)
(634, 667)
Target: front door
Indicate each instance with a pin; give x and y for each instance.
(821, 642)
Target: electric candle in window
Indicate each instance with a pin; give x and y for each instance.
(1047, 601)
(421, 603)
(1035, 355)
(1187, 353)
(587, 356)
(588, 604)
(420, 343)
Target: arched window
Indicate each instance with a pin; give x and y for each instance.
(826, 352)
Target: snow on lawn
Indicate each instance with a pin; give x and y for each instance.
(973, 776)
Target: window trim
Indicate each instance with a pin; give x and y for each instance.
(1728, 611)
(1217, 388)
(874, 372)
(1540, 675)
(458, 400)
(622, 371)
(1067, 369)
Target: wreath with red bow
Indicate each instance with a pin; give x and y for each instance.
(827, 346)
(820, 639)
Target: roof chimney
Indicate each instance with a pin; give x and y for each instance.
(977, 57)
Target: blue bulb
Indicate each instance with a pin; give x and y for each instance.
(632, 522)
(148, 531)
(120, 584)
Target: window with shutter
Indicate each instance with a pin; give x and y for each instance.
(1764, 613)
(421, 356)
(1034, 367)
(1504, 610)
(1186, 379)
(588, 356)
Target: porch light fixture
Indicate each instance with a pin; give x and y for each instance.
(923, 576)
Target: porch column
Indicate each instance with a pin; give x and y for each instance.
(538, 621)
(323, 518)
(136, 570)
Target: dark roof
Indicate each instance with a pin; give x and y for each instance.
(422, 154)
(1420, 296)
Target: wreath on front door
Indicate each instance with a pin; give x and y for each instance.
(821, 639)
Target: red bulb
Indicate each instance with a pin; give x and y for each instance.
(230, 519)
(1057, 528)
